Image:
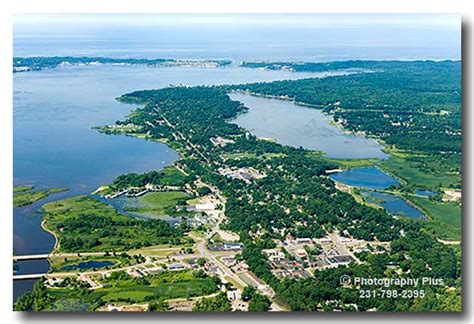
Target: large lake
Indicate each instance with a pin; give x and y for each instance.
(54, 145)
(294, 125)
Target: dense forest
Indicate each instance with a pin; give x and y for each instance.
(351, 65)
(413, 105)
(166, 177)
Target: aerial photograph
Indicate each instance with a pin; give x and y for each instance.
(237, 163)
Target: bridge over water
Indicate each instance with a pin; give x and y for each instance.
(27, 258)
(30, 257)
(28, 276)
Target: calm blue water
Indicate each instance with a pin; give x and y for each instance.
(28, 267)
(368, 177)
(393, 204)
(88, 265)
(293, 125)
(31, 266)
(424, 192)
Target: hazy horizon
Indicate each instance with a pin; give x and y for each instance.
(297, 37)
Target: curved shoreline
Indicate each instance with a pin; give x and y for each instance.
(56, 239)
(376, 149)
(425, 214)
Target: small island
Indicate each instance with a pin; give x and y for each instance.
(25, 195)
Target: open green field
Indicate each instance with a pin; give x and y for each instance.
(448, 213)
(173, 177)
(354, 163)
(160, 250)
(138, 294)
(157, 203)
(183, 284)
(443, 231)
(22, 196)
(445, 217)
(411, 172)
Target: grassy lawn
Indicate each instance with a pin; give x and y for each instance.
(445, 217)
(157, 203)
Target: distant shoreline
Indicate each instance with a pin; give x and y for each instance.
(27, 64)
